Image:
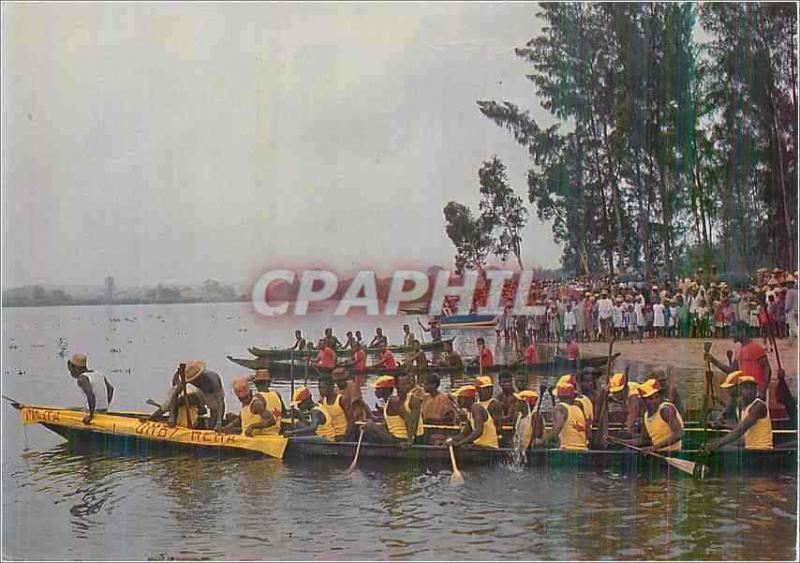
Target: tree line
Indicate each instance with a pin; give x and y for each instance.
(675, 137)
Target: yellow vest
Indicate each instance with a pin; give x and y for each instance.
(274, 404)
(573, 433)
(325, 429)
(488, 438)
(336, 414)
(249, 417)
(588, 407)
(759, 437)
(658, 428)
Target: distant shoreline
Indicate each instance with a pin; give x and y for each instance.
(96, 302)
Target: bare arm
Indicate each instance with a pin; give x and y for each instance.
(670, 415)
(756, 413)
(477, 429)
(259, 407)
(559, 419)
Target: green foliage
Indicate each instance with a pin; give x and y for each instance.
(502, 211)
(469, 235)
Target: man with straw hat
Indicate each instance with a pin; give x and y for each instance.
(94, 385)
(754, 425)
(206, 385)
(663, 424)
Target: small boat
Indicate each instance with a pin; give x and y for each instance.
(558, 364)
(131, 432)
(468, 321)
(283, 354)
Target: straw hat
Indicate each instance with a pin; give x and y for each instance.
(194, 369)
(468, 391)
(616, 383)
(735, 378)
(78, 360)
(483, 381)
(648, 388)
(527, 395)
(384, 382)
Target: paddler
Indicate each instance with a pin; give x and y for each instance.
(416, 358)
(262, 380)
(94, 385)
(255, 419)
(434, 329)
(350, 340)
(206, 384)
(521, 381)
(358, 362)
(352, 399)
(570, 427)
(751, 358)
(623, 392)
(533, 429)
(482, 428)
(319, 424)
(505, 396)
(669, 390)
(326, 358)
(485, 356)
(299, 342)
(335, 406)
(387, 360)
(401, 413)
(408, 336)
(530, 353)
(332, 341)
(663, 425)
(437, 408)
(379, 339)
(451, 359)
(754, 427)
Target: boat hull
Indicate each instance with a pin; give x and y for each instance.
(277, 354)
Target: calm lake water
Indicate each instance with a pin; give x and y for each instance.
(62, 503)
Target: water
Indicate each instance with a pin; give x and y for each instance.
(60, 502)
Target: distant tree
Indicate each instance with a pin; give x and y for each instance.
(502, 211)
(470, 236)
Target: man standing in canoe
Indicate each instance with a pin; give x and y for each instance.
(569, 423)
(451, 359)
(207, 385)
(485, 356)
(94, 385)
(663, 425)
(752, 359)
(434, 329)
(482, 428)
(299, 342)
(408, 336)
(754, 427)
(379, 339)
(326, 358)
(401, 414)
(255, 418)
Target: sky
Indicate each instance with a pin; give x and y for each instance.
(172, 143)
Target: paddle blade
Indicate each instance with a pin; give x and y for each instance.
(456, 479)
(683, 464)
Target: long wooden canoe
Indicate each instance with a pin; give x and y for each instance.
(130, 432)
(283, 354)
(558, 365)
(469, 321)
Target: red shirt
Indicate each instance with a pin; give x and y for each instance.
(573, 350)
(487, 358)
(326, 358)
(361, 360)
(749, 358)
(530, 355)
(388, 361)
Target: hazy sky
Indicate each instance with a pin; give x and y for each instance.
(175, 143)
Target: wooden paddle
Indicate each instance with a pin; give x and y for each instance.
(291, 390)
(709, 383)
(456, 479)
(604, 404)
(692, 468)
(358, 450)
(182, 371)
(783, 394)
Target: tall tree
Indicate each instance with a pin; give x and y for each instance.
(470, 236)
(502, 210)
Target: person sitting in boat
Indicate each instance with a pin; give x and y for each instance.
(350, 340)
(387, 359)
(416, 359)
(623, 393)
(359, 338)
(262, 380)
(299, 342)
(379, 339)
(505, 397)
(437, 408)
(336, 406)
(754, 426)
(331, 340)
(358, 362)
(408, 336)
(582, 398)
(530, 353)
(255, 418)
(451, 358)
(669, 391)
(434, 329)
(569, 422)
(350, 392)
(481, 430)
(319, 423)
(206, 385)
(95, 386)
(521, 381)
(528, 422)
(485, 357)
(326, 358)
(663, 424)
(402, 415)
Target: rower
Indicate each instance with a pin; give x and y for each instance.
(485, 356)
(437, 408)
(326, 359)
(379, 339)
(335, 406)
(669, 390)
(623, 392)
(521, 381)
(359, 338)
(505, 396)
(254, 419)
(408, 336)
(530, 352)
(358, 362)
(482, 429)
(569, 422)
(754, 427)
(299, 342)
(663, 425)
(573, 350)
(416, 358)
(452, 359)
(332, 341)
(352, 399)
(207, 385)
(262, 380)
(94, 385)
(533, 431)
(350, 340)
(319, 425)
(387, 360)
(400, 413)
(434, 329)
(751, 358)
(584, 402)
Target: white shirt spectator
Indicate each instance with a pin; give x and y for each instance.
(658, 315)
(569, 320)
(605, 307)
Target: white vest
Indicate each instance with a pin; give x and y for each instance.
(98, 382)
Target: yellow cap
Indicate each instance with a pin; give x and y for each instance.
(466, 391)
(616, 383)
(384, 382)
(300, 395)
(78, 360)
(648, 388)
(483, 381)
(735, 378)
(568, 379)
(527, 395)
